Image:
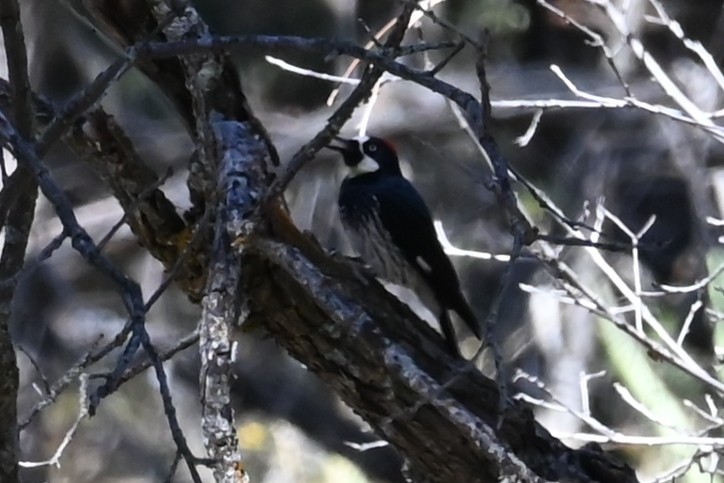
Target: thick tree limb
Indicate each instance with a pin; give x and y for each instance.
(240, 187)
(228, 175)
(395, 372)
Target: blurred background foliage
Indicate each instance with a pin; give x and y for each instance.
(291, 427)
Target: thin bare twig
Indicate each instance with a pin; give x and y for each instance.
(82, 413)
(91, 95)
(361, 92)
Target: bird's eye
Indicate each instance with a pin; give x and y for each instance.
(372, 148)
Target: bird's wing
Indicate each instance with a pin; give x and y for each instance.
(407, 218)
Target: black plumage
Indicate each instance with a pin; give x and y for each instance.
(390, 226)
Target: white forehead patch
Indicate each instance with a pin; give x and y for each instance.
(367, 165)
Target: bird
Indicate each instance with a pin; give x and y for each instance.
(390, 226)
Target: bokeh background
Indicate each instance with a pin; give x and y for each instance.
(291, 427)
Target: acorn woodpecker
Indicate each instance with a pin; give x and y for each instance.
(391, 228)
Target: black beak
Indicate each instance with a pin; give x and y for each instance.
(344, 146)
(349, 148)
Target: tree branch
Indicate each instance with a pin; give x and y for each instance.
(21, 191)
(395, 372)
(384, 362)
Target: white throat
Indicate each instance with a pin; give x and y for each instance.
(367, 164)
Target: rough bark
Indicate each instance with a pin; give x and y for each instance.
(394, 371)
(241, 184)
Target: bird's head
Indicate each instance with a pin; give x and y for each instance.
(366, 154)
